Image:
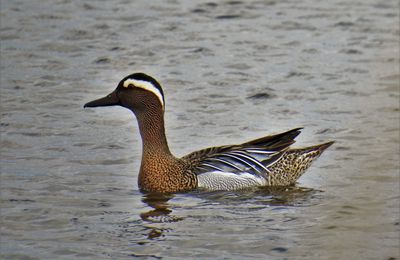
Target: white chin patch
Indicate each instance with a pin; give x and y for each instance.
(147, 86)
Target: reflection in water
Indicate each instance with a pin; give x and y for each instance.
(288, 196)
(266, 197)
(159, 214)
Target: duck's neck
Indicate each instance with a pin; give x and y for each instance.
(152, 130)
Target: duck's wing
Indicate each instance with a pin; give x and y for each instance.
(252, 157)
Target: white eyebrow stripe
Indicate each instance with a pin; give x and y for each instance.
(147, 86)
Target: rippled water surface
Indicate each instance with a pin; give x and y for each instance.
(231, 71)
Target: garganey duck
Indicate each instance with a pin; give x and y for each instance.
(267, 161)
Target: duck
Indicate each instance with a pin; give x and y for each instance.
(266, 161)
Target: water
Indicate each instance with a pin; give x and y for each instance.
(231, 71)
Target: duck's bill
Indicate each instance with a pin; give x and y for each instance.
(109, 100)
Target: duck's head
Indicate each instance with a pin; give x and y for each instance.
(137, 92)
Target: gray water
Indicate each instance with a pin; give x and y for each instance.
(231, 71)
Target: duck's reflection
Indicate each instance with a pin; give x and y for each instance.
(288, 196)
(268, 196)
(159, 203)
(161, 212)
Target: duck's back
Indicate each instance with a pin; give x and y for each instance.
(267, 161)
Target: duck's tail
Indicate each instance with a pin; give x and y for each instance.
(294, 163)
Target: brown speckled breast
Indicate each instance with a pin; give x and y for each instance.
(166, 175)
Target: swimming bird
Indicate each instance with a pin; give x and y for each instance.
(267, 161)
